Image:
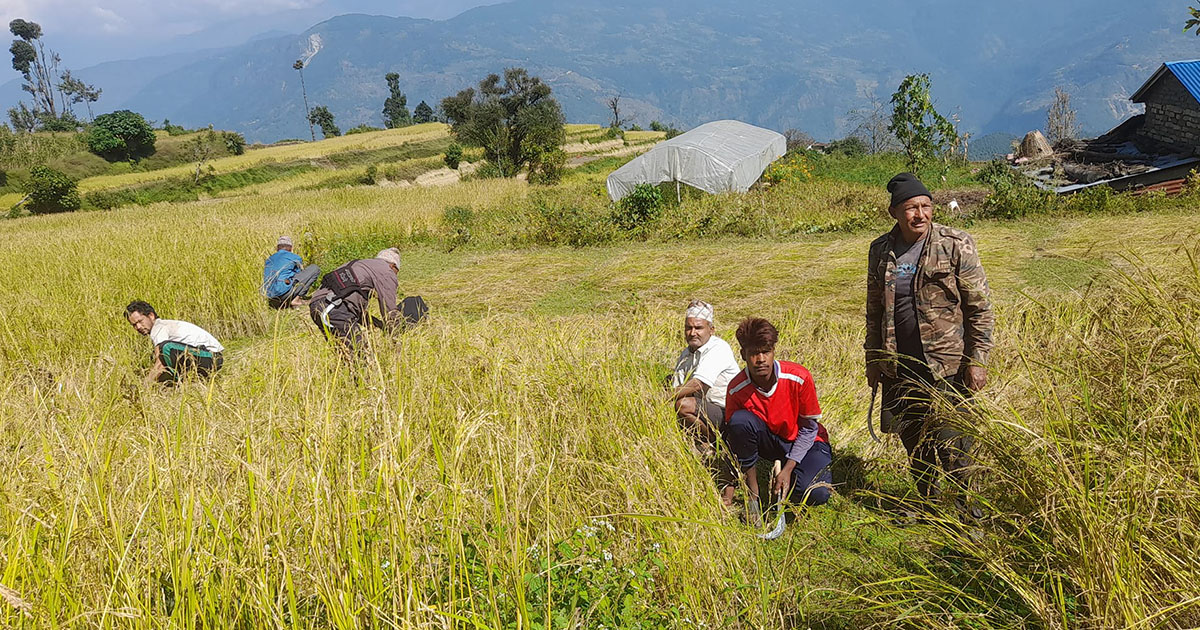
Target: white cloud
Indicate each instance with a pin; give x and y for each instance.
(110, 22)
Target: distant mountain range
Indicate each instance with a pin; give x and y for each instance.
(776, 63)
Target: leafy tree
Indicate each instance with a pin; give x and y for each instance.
(23, 118)
(851, 146)
(202, 146)
(39, 69)
(75, 91)
(235, 143)
(51, 191)
(453, 156)
(323, 118)
(121, 135)
(1060, 118)
(1194, 21)
(63, 122)
(926, 136)
(669, 130)
(299, 67)
(395, 108)
(514, 119)
(423, 113)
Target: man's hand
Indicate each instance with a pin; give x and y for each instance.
(975, 377)
(874, 373)
(783, 480)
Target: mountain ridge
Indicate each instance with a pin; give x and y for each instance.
(778, 64)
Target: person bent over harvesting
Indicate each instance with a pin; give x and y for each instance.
(929, 332)
(340, 307)
(772, 413)
(179, 347)
(702, 374)
(285, 280)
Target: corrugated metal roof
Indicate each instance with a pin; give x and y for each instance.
(1188, 73)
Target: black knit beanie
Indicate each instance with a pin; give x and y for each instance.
(905, 186)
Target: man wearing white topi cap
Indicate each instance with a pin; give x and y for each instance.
(341, 306)
(702, 373)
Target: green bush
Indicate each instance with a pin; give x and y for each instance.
(362, 129)
(564, 219)
(1013, 195)
(235, 143)
(548, 168)
(458, 221)
(51, 191)
(453, 156)
(850, 146)
(121, 135)
(639, 208)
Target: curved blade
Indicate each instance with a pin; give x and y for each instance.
(780, 525)
(781, 522)
(871, 413)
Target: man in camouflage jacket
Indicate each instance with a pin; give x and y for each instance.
(929, 331)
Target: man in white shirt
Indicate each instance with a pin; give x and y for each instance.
(702, 373)
(179, 347)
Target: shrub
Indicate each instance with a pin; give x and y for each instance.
(371, 177)
(548, 167)
(121, 135)
(364, 128)
(453, 155)
(1013, 196)
(51, 191)
(791, 168)
(639, 208)
(458, 221)
(851, 146)
(563, 218)
(235, 143)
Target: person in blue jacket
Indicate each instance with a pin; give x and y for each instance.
(285, 280)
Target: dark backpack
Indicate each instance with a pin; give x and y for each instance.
(343, 282)
(414, 309)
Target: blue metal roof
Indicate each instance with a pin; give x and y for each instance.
(1188, 73)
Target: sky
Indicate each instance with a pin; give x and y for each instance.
(86, 32)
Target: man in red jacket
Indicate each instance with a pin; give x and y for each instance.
(772, 413)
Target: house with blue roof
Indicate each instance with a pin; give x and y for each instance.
(1172, 99)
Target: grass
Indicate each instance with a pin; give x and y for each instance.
(514, 463)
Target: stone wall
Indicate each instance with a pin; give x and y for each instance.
(1172, 115)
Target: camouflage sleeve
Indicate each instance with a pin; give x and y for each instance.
(874, 342)
(978, 318)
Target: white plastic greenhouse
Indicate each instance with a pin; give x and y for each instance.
(716, 157)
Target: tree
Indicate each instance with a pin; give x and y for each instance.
(514, 119)
(395, 108)
(1060, 118)
(40, 70)
(76, 91)
(1194, 21)
(871, 125)
(423, 113)
(797, 139)
(925, 135)
(614, 106)
(323, 118)
(299, 67)
(121, 135)
(201, 146)
(51, 191)
(23, 118)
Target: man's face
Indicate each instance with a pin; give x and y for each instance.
(914, 217)
(697, 332)
(760, 362)
(142, 323)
